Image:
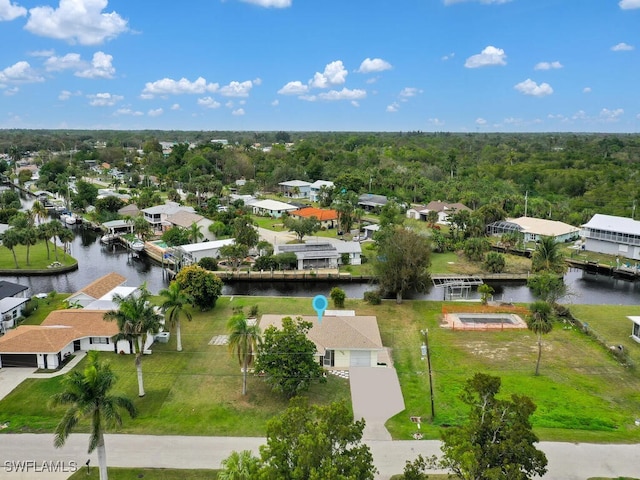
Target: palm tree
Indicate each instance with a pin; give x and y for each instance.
(547, 257)
(540, 322)
(175, 301)
(56, 229)
(28, 237)
(66, 236)
(136, 318)
(195, 235)
(44, 233)
(38, 211)
(142, 228)
(244, 340)
(10, 239)
(88, 395)
(239, 466)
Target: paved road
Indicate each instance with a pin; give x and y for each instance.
(567, 461)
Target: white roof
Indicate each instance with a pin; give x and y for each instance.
(348, 247)
(9, 303)
(540, 226)
(295, 183)
(168, 208)
(121, 291)
(273, 205)
(214, 244)
(321, 183)
(611, 223)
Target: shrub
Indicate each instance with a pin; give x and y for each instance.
(29, 308)
(208, 263)
(338, 296)
(494, 262)
(372, 297)
(253, 311)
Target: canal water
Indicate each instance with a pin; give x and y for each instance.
(96, 260)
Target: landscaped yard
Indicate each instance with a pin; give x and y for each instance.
(582, 393)
(37, 257)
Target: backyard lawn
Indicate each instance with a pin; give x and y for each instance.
(116, 473)
(582, 393)
(38, 259)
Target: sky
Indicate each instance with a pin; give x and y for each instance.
(321, 65)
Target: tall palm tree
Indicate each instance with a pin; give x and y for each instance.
(540, 322)
(136, 318)
(39, 211)
(142, 228)
(175, 301)
(56, 229)
(11, 239)
(547, 257)
(66, 236)
(28, 237)
(44, 233)
(87, 394)
(195, 235)
(239, 466)
(243, 340)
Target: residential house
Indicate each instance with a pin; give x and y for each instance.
(322, 254)
(130, 210)
(194, 252)
(13, 297)
(317, 187)
(96, 289)
(327, 218)
(271, 208)
(295, 189)
(533, 229)
(342, 339)
(184, 219)
(157, 215)
(443, 209)
(371, 202)
(612, 235)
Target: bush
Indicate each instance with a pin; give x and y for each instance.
(208, 263)
(338, 296)
(29, 307)
(494, 262)
(372, 297)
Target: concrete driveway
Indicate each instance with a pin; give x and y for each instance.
(10, 378)
(376, 397)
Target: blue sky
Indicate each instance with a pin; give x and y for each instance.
(321, 65)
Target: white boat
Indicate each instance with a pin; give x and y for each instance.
(137, 245)
(109, 238)
(68, 218)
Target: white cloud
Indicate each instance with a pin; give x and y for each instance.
(128, 111)
(229, 104)
(622, 47)
(489, 56)
(104, 99)
(355, 104)
(41, 53)
(66, 94)
(294, 88)
(76, 21)
(448, 57)
(629, 4)
(611, 115)
(586, 90)
(548, 65)
(100, 67)
(409, 92)
(480, 121)
(370, 65)
(66, 62)
(175, 106)
(10, 11)
(275, 103)
(486, 2)
(270, 3)
(237, 89)
(20, 72)
(208, 102)
(529, 87)
(394, 107)
(155, 112)
(334, 74)
(238, 113)
(308, 98)
(11, 91)
(435, 122)
(168, 86)
(344, 94)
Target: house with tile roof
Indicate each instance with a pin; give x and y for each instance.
(157, 215)
(328, 218)
(443, 209)
(96, 289)
(342, 339)
(184, 219)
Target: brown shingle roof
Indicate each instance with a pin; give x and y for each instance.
(57, 331)
(184, 219)
(103, 285)
(349, 333)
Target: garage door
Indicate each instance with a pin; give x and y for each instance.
(19, 360)
(360, 358)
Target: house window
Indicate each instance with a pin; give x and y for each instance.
(328, 359)
(98, 341)
(636, 330)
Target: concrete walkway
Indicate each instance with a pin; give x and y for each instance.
(376, 397)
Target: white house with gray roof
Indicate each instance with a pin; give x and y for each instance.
(313, 255)
(296, 188)
(271, 208)
(157, 215)
(612, 235)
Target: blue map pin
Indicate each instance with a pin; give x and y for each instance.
(320, 304)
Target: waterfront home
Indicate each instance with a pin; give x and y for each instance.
(13, 298)
(612, 235)
(184, 219)
(96, 290)
(321, 254)
(192, 253)
(326, 218)
(271, 208)
(533, 229)
(157, 215)
(342, 339)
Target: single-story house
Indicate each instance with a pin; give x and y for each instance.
(443, 209)
(96, 289)
(296, 188)
(342, 339)
(194, 252)
(328, 218)
(271, 208)
(533, 229)
(370, 202)
(612, 235)
(157, 215)
(317, 187)
(314, 255)
(184, 219)
(60, 334)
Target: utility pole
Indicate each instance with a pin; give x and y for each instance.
(426, 352)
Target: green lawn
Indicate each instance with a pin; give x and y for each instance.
(582, 393)
(45, 307)
(38, 259)
(146, 473)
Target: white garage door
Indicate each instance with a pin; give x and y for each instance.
(360, 358)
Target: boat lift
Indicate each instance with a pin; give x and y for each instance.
(456, 286)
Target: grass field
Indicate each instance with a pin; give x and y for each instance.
(582, 393)
(38, 259)
(146, 473)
